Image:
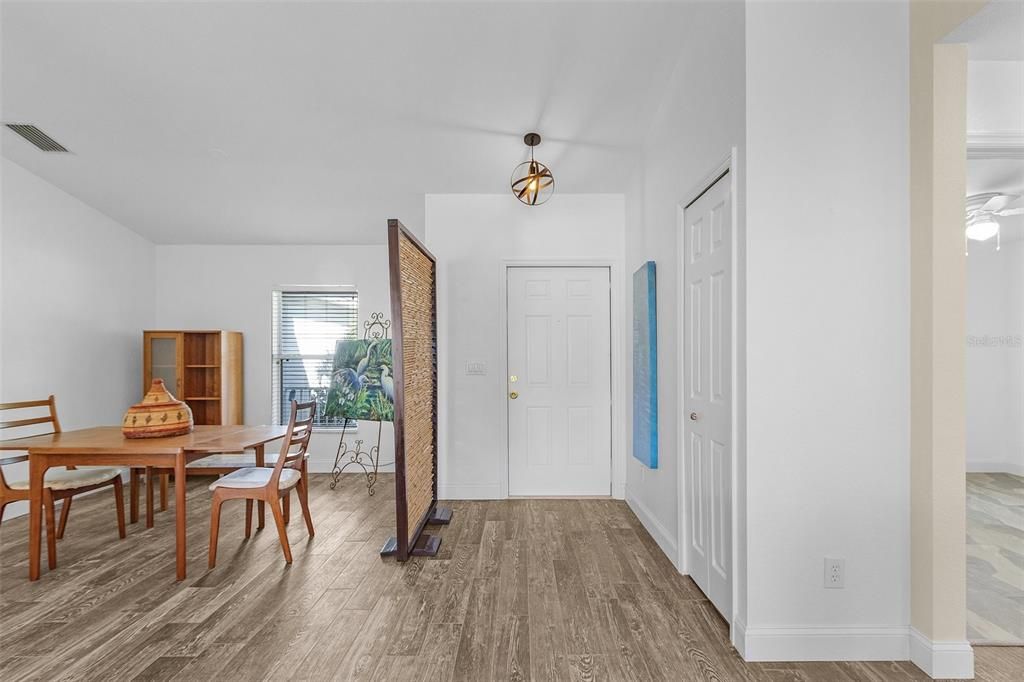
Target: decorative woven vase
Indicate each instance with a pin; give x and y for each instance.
(158, 415)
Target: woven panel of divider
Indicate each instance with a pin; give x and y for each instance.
(414, 315)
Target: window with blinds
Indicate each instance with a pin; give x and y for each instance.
(306, 327)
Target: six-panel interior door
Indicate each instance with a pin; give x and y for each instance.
(707, 402)
(559, 381)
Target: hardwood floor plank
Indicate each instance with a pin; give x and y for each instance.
(328, 646)
(439, 650)
(535, 589)
(478, 631)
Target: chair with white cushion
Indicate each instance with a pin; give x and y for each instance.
(270, 485)
(59, 483)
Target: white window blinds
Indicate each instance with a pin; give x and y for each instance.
(306, 327)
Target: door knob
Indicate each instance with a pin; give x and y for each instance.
(693, 416)
(513, 395)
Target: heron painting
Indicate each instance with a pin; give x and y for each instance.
(645, 365)
(362, 386)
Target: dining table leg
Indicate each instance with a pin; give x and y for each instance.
(37, 466)
(133, 493)
(179, 510)
(260, 507)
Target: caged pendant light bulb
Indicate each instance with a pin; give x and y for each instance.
(532, 182)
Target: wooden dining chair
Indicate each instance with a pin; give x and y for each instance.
(214, 465)
(270, 485)
(59, 483)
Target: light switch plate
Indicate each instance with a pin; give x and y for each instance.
(476, 368)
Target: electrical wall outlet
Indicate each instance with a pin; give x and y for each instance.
(835, 573)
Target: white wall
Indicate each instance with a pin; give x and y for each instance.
(995, 371)
(700, 119)
(229, 287)
(828, 328)
(471, 236)
(76, 290)
(995, 91)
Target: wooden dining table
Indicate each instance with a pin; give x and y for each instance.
(106, 446)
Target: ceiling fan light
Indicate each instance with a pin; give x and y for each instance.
(982, 230)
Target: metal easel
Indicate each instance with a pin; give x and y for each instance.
(368, 460)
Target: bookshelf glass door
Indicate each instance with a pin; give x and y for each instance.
(164, 352)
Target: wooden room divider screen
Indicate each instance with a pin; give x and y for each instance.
(414, 361)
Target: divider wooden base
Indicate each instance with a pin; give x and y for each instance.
(428, 546)
(441, 516)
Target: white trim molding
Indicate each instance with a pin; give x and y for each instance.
(819, 643)
(1006, 144)
(942, 660)
(665, 539)
(738, 635)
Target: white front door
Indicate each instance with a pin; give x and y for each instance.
(707, 395)
(559, 381)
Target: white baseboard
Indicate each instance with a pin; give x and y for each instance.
(882, 643)
(460, 491)
(942, 660)
(658, 531)
(996, 468)
(738, 636)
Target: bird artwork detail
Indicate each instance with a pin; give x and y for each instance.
(362, 386)
(387, 383)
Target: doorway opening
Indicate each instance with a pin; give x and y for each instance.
(994, 237)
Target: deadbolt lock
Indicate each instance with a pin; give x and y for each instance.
(513, 379)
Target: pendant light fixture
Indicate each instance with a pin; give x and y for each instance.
(532, 182)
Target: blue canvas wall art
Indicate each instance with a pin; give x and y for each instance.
(645, 365)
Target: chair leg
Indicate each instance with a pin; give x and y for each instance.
(149, 497)
(304, 502)
(214, 529)
(248, 519)
(51, 529)
(286, 504)
(2, 505)
(65, 508)
(164, 478)
(133, 493)
(118, 501)
(282, 532)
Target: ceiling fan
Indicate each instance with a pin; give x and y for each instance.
(983, 211)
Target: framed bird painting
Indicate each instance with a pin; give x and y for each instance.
(362, 385)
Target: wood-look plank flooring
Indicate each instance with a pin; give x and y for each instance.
(522, 590)
(995, 559)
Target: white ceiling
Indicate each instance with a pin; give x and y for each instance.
(314, 123)
(995, 33)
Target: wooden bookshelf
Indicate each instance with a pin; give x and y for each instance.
(201, 367)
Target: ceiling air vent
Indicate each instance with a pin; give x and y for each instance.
(37, 137)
